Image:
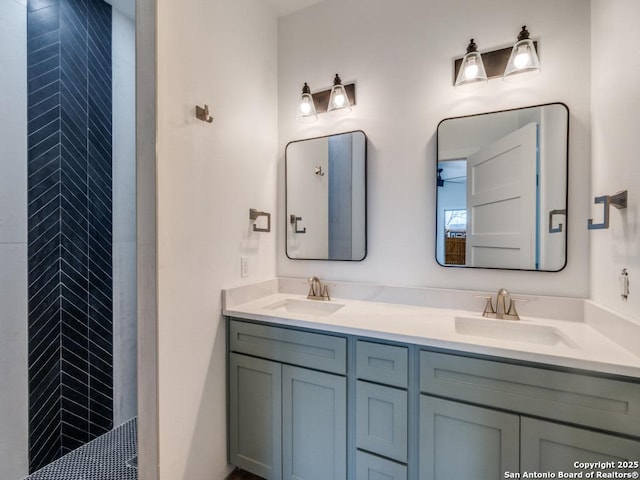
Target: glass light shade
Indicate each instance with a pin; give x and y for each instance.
(306, 107)
(338, 100)
(523, 59)
(471, 71)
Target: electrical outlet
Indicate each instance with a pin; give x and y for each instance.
(244, 267)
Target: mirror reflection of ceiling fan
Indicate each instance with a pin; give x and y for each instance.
(441, 180)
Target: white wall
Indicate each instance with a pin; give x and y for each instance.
(13, 240)
(400, 54)
(224, 54)
(616, 163)
(124, 219)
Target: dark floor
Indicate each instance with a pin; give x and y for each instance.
(104, 458)
(238, 474)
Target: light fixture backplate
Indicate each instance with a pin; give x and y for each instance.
(494, 61)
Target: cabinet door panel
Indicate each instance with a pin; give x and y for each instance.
(459, 441)
(381, 420)
(255, 419)
(314, 406)
(548, 446)
(370, 467)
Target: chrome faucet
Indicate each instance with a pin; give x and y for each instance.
(502, 311)
(317, 291)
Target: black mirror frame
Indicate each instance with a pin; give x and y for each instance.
(566, 223)
(366, 207)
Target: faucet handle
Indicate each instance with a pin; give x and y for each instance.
(489, 311)
(512, 313)
(312, 282)
(325, 290)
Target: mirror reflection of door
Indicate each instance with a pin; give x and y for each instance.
(502, 202)
(507, 170)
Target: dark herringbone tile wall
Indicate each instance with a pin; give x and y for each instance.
(70, 272)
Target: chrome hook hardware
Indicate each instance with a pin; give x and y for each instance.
(203, 113)
(558, 229)
(254, 214)
(318, 171)
(294, 221)
(619, 200)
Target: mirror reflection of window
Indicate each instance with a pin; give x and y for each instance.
(452, 197)
(455, 233)
(455, 223)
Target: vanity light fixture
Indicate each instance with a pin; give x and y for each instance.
(338, 100)
(523, 58)
(472, 71)
(509, 63)
(306, 106)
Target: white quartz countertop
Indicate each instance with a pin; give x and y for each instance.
(581, 346)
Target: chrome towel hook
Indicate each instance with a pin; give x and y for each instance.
(619, 200)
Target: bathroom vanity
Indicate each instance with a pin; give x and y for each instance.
(365, 390)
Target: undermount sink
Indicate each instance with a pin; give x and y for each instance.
(306, 307)
(517, 331)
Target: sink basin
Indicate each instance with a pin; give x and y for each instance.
(307, 307)
(517, 331)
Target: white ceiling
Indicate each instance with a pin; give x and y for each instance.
(285, 7)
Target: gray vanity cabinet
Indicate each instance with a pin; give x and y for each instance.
(401, 412)
(465, 441)
(287, 421)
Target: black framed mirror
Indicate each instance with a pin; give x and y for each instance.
(502, 189)
(326, 197)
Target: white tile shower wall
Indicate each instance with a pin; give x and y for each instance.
(13, 241)
(401, 56)
(615, 119)
(224, 54)
(124, 220)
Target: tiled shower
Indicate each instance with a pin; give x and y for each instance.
(70, 234)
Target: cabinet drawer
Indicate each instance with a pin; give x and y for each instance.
(380, 363)
(570, 397)
(313, 350)
(370, 467)
(381, 420)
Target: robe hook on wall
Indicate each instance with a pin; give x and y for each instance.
(203, 113)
